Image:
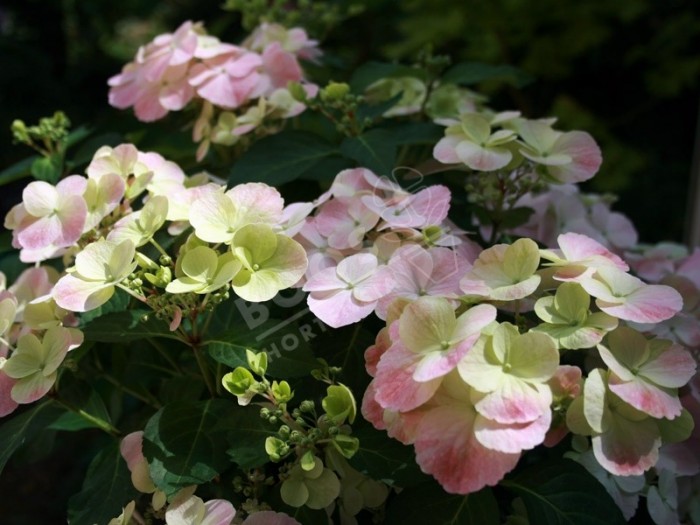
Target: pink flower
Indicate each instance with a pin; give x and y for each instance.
(345, 294)
(228, 80)
(49, 218)
(345, 222)
(420, 272)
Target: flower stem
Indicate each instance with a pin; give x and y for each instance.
(98, 422)
(204, 368)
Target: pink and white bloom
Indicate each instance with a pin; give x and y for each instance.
(625, 440)
(349, 292)
(428, 207)
(510, 372)
(35, 362)
(49, 218)
(567, 157)
(195, 511)
(471, 142)
(504, 272)
(345, 222)
(228, 80)
(579, 257)
(626, 297)
(647, 373)
(98, 269)
(418, 272)
(217, 216)
(131, 449)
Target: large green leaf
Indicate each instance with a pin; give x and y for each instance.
(562, 492)
(375, 150)
(247, 439)
(281, 158)
(185, 442)
(106, 489)
(18, 170)
(429, 503)
(470, 73)
(386, 459)
(123, 327)
(288, 351)
(81, 396)
(18, 429)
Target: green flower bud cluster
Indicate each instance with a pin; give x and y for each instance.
(46, 136)
(340, 105)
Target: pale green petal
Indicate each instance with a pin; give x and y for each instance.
(594, 401)
(288, 261)
(503, 338)
(576, 420)
(477, 370)
(183, 285)
(121, 261)
(629, 347)
(533, 357)
(521, 259)
(56, 342)
(31, 388)
(323, 490)
(294, 492)
(200, 264)
(22, 364)
(538, 135)
(546, 310)
(92, 263)
(261, 286)
(572, 302)
(427, 323)
(476, 127)
(259, 239)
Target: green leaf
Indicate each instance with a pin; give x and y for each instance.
(47, 169)
(76, 136)
(373, 111)
(123, 327)
(288, 352)
(17, 171)
(372, 71)
(247, 439)
(281, 158)
(375, 150)
(417, 133)
(562, 492)
(515, 217)
(106, 489)
(15, 432)
(470, 73)
(386, 459)
(413, 504)
(80, 396)
(185, 443)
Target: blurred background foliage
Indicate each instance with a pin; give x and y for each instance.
(626, 71)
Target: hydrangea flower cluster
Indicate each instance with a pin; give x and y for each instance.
(238, 242)
(238, 87)
(471, 393)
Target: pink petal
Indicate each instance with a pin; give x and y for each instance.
(646, 397)
(395, 386)
(447, 448)
(514, 437)
(338, 309)
(649, 304)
